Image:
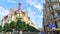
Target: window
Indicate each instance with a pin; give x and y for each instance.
(53, 16)
(48, 0)
(56, 25)
(17, 14)
(58, 13)
(13, 18)
(52, 7)
(55, 6)
(54, 0)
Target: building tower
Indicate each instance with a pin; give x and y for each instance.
(19, 6)
(51, 19)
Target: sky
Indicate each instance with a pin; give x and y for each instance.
(34, 8)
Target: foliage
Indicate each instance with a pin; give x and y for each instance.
(0, 28)
(24, 26)
(32, 29)
(19, 25)
(12, 25)
(6, 27)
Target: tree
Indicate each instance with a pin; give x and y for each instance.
(24, 26)
(19, 25)
(28, 27)
(6, 27)
(0, 28)
(32, 29)
(12, 25)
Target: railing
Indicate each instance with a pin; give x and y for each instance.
(56, 18)
(54, 0)
(17, 33)
(58, 8)
(55, 7)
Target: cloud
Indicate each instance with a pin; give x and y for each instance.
(33, 13)
(40, 16)
(35, 4)
(38, 6)
(3, 12)
(29, 9)
(12, 1)
(31, 2)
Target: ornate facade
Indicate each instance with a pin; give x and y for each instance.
(16, 14)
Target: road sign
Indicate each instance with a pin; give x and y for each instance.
(53, 26)
(49, 25)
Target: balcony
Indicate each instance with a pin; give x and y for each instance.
(55, 7)
(58, 8)
(52, 1)
(56, 18)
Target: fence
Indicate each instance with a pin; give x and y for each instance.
(22, 33)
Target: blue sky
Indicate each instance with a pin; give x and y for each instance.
(34, 8)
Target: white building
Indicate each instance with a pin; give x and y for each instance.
(16, 14)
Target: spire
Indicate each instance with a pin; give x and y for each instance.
(19, 6)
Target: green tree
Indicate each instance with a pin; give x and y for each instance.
(19, 25)
(12, 25)
(24, 26)
(6, 27)
(0, 28)
(32, 29)
(28, 27)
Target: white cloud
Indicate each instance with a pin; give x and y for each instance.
(12, 1)
(38, 6)
(29, 9)
(35, 4)
(40, 16)
(33, 13)
(3, 12)
(31, 2)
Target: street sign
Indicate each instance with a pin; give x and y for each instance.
(53, 26)
(49, 25)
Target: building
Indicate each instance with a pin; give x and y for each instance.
(17, 14)
(51, 18)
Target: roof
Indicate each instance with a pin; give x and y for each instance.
(24, 12)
